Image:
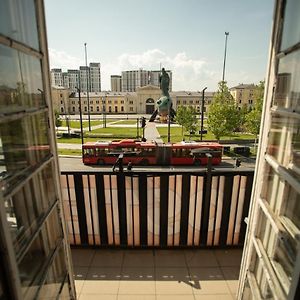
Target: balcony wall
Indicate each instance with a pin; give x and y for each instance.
(156, 209)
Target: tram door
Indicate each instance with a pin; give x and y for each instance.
(163, 155)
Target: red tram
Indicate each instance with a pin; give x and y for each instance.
(151, 153)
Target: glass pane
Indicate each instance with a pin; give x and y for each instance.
(2, 292)
(287, 93)
(24, 210)
(281, 251)
(55, 277)
(18, 21)
(65, 292)
(291, 205)
(260, 276)
(291, 25)
(23, 143)
(247, 293)
(273, 187)
(31, 266)
(21, 85)
(284, 140)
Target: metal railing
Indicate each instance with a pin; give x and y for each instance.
(157, 209)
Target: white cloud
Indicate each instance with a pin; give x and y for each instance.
(188, 73)
(61, 59)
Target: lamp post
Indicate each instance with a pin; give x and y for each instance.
(80, 115)
(226, 36)
(169, 122)
(202, 113)
(104, 110)
(87, 86)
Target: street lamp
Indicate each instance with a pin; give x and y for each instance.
(104, 110)
(202, 113)
(226, 36)
(169, 121)
(80, 114)
(87, 86)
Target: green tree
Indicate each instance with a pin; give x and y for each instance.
(180, 117)
(242, 116)
(58, 121)
(191, 120)
(223, 116)
(186, 117)
(253, 118)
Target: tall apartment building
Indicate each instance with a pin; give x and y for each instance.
(34, 251)
(83, 78)
(57, 77)
(95, 77)
(72, 80)
(75, 78)
(116, 83)
(131, 80)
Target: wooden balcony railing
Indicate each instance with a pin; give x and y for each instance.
(157, 209)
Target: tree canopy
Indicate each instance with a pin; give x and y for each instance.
(253, 118)
(223, 115)
(58, 121)
(186, 117)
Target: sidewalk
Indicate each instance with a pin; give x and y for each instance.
(151, 133)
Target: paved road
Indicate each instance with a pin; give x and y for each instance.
(75, 164)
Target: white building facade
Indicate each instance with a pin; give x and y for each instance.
(116, 83)
(84, 77)
(132, 80)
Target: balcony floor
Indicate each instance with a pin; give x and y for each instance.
(156, 274)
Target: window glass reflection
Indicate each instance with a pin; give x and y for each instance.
(65, 292)
(284, 140)
(18, 21)
(291, 205)
(281, 251)
(2, 292)
(273, 186)
(291, 25)
(21, 85)
(31, 264)
(23, 143)
(27, 206)
(287, 93)
(31, 268)
(260, 276)
(55, 277)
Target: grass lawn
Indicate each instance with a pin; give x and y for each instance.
(108, 133)
(86, 139)
(126, 122)
(76, 124)
(76, 152)
(176, 135)
(116, 131)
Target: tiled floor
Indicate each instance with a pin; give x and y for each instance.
(156, 274)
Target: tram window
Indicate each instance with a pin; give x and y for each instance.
(187, 152)
(88, 152)
(174, 153)
(100, 152)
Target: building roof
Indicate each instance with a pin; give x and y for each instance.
(148, 87)
(243, 86)
(190, 93)
(58, 87)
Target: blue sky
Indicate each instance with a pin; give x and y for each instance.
(186, 36)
